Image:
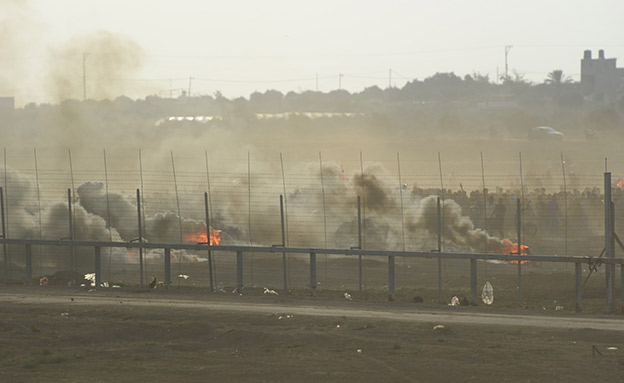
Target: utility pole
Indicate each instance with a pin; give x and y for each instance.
(340, 80)
(189, 88)
(390, 78)
(317, 81)
(84, 75)
(507, 49)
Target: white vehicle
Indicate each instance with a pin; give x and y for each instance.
(545, 132)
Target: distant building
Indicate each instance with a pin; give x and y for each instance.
(601, 78)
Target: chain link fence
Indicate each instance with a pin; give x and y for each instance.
(562, 210)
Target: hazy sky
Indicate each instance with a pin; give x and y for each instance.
(239, 46)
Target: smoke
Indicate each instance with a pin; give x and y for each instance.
(323, 215)
(376, 197)
(120, 211)
(15, 27)
(109, 62)
(457, 228)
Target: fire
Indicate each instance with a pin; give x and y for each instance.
(201, 237)
(509, 247)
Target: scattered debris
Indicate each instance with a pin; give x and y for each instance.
(337, 326)
(559, 308)
(454, 301)
(595, 350)
(348, 296)
(64, 278)
(438, 327)
(65, 315)
(183, 276)
(285, 316)
(487, 295)
(612, 348)
(91, 278)
(359, 350)
(153, 283)
(270, 292)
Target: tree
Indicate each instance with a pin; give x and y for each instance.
(557, 78)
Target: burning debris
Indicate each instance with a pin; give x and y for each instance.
(458, 228)
(202, 237)
(155, 283)
(508, 247)
(103, 215)
(64, 278)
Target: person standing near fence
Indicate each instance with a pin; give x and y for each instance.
(498, 218)
(489, 213)
(552, 215)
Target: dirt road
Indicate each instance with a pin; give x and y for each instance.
(65, 335)
(350, 309)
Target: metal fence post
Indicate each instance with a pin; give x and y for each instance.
(519, 249)
(239, 272)
(72, 253)
(519, 225)
(138, 197)
(578, 286)
(283, 244)
(473, 280)
(359, 227)
(519, 287)
(29, 264)
(4, 246)
(98, 266)
(313, 274)
(439, 251)
(608, 242)
(167, 268)
(622, 286)
(391, 277)
(209, 239)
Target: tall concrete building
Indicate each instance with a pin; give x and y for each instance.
(601, 79)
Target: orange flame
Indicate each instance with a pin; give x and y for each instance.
(201, 237)
(509, 247)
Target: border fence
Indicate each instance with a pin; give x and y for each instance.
(84, 219)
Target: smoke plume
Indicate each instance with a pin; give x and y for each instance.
(457, 228)
(109, 61)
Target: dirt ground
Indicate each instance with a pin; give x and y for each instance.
(65, 334)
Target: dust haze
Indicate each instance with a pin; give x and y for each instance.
(396, 148)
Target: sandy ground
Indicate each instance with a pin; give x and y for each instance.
(70, 335)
